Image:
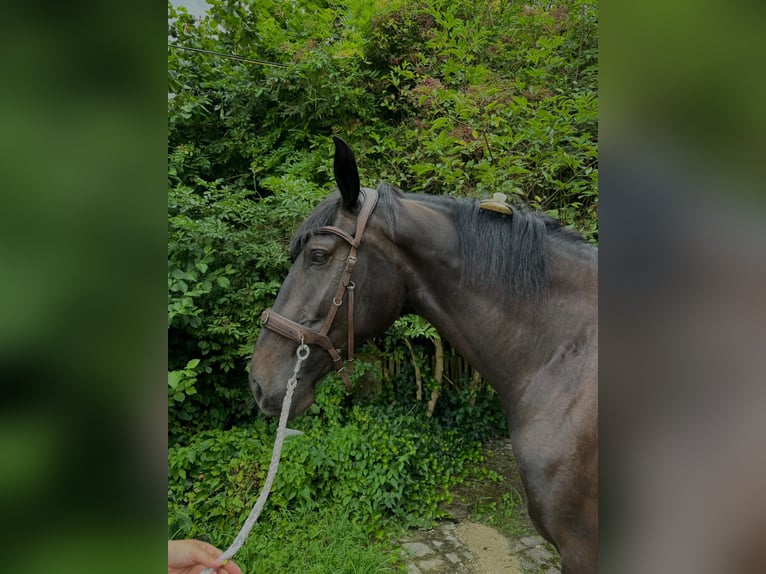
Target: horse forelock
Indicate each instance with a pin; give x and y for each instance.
(325, 213)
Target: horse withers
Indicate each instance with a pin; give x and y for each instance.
(513, 291)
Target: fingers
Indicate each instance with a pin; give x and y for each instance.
(209, 549)
(232, 568)
(213, 553)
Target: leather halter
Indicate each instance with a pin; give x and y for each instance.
(299, 333)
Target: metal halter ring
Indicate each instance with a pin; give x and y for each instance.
(303, 350)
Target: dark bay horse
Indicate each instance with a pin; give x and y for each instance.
(516, 294)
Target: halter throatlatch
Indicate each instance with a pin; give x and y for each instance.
(297, 332)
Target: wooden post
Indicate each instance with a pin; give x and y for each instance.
(438, 375)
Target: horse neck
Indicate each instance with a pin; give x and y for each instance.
(484, 324)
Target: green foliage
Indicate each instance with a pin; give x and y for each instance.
(412, 326)
(475, 412)
(318, 542)
(344, 489)
(460, 98)
(226, 261)
(379, 464)
(209, 479)
(181, 385)
(494, 97)
(375, 463)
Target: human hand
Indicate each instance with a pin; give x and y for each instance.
(192, 556)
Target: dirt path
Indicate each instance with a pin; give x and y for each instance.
(490, 548)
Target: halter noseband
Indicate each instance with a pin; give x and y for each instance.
(300, 334)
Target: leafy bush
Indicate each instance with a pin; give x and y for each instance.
(375, 462)
(181, 385)
(226, 260)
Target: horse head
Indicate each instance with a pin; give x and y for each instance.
(342, 288)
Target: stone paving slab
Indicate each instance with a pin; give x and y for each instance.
(440, 551)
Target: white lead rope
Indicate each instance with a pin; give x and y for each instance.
(302, 353)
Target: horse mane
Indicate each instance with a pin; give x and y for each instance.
(494, 248)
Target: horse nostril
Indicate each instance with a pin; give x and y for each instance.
(257, 391)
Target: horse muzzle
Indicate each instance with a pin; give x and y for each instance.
(269, 389)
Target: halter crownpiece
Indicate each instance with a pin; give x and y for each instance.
(289, 329)
(499, 203)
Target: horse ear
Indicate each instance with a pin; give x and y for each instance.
(346, 173)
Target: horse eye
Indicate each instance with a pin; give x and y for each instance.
(318, 256)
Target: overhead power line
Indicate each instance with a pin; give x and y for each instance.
(232, 56)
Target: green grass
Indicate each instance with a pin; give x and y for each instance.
(318, 542)
(508, 515)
